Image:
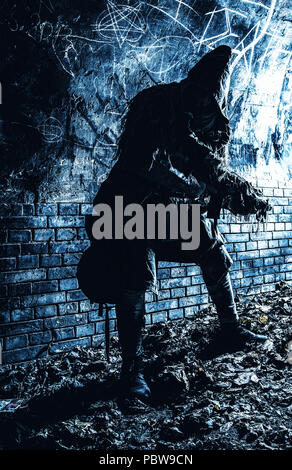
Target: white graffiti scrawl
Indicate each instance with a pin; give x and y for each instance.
(123, 46)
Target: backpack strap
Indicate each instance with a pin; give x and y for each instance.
(107, 333)
(101, 307)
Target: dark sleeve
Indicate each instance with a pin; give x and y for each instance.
(141, 148)
(164, 178)
(236, 193)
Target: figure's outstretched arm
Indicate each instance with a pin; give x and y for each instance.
(236, 193)
(163, 178)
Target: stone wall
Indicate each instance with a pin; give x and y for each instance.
(42, 310)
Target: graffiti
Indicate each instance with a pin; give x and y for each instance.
(121, 22)
(112, 52)
(51, 130)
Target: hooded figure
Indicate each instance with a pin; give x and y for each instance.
(172, 149)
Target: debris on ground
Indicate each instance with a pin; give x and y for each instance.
(204, 396)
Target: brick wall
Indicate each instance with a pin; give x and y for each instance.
(43, 311)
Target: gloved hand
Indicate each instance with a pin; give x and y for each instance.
(248, 202)
(263, 206)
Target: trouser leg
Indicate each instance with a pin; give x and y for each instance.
(221, 293)
(130, 312)
(215, 263)
(222, 296)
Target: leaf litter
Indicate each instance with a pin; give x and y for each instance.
(204, 396)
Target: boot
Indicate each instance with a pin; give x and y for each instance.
(130, 312)
(232, 332)
(236, 334)
(132, 380)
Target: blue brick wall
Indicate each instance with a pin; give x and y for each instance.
(43, 312)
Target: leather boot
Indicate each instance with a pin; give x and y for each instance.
(130, 312)
(132, 380)
(232, 332)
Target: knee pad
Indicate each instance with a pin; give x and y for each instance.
(215, 263)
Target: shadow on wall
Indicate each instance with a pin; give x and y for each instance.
(33, 88)
(35, 94)
(70, 67)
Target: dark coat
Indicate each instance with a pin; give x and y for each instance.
(163, 156)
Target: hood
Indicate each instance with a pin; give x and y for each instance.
(212, 69)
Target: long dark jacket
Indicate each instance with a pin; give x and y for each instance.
(162, 157)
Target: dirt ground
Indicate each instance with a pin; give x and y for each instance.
(204, 397)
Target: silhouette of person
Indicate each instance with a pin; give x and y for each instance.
(172, 149)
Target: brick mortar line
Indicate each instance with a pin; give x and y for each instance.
(153, 314)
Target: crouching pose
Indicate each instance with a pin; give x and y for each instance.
(172, 149)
